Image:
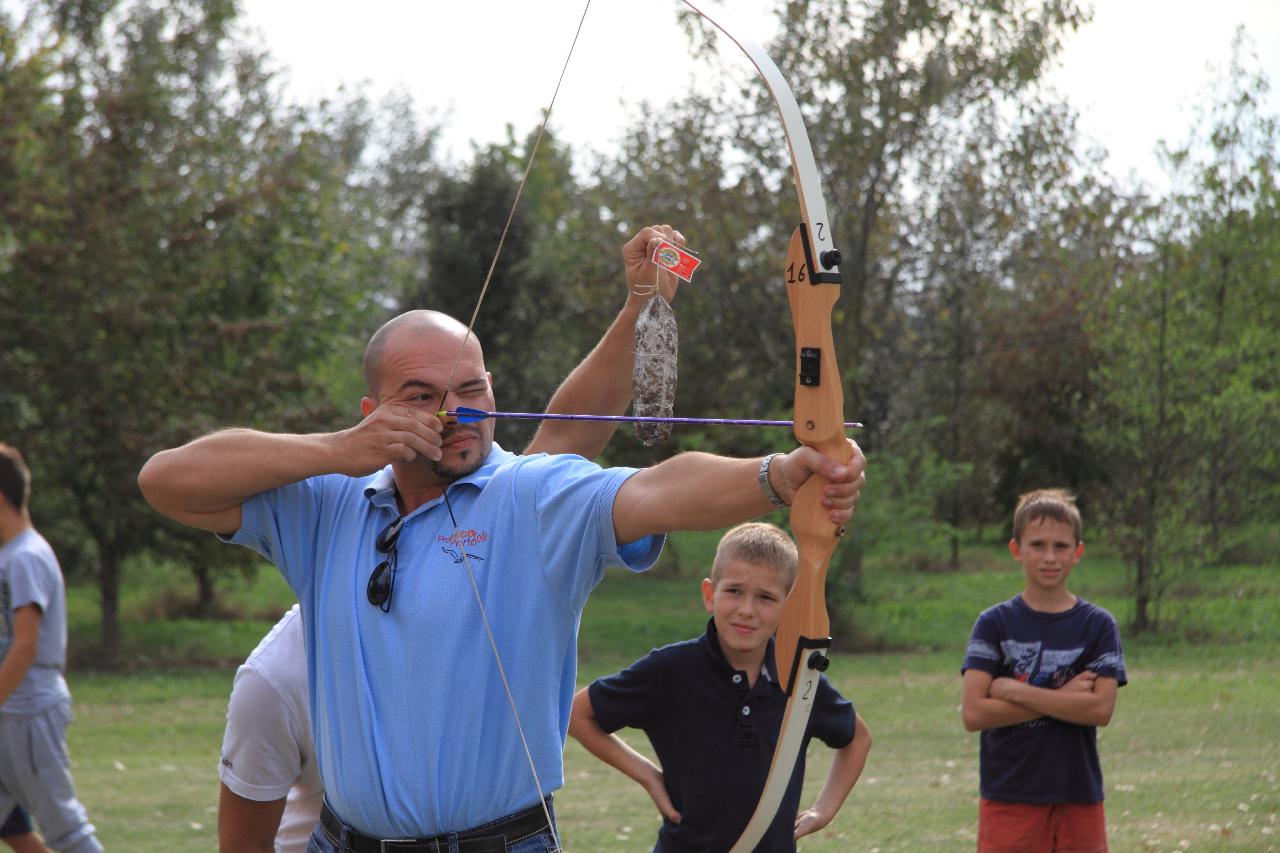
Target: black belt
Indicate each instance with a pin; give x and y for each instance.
(490, 838)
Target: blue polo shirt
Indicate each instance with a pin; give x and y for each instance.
(413, 731)
(715, 737)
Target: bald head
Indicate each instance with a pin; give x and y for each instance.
(416, 323)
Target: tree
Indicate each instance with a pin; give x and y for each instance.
(550, 291)
(1141, 430)
(178, 249)
(879, 83)
(1230, 204)
(1187, 348)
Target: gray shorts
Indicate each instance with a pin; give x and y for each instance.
(35, 772)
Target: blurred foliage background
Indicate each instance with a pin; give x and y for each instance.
(182, 248)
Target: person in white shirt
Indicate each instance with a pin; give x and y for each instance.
(271, 790)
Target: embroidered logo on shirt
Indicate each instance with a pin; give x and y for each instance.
(465, 538)
(458, 544)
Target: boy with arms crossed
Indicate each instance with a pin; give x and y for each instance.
(1040, 675)
(712, 708)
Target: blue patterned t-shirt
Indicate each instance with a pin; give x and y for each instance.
(1043, 760)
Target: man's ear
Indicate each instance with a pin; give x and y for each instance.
(367, 405)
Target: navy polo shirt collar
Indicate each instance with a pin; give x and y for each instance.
(710, 641)
(381, 488)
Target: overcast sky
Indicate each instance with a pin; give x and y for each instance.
(1135, 74)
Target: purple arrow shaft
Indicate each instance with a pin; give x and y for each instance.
(465, 416)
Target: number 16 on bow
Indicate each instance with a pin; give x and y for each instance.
(804, 632)
(813, 286)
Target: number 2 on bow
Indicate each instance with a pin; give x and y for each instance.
(804, 631)
(813, 285)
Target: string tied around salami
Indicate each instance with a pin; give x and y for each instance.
(653, 376)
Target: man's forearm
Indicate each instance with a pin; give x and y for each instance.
(698, 491)
(599, 385)
(224, 469)
(692, 491)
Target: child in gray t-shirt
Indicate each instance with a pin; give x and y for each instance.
(35, 705)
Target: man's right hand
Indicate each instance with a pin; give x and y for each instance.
(392, 432)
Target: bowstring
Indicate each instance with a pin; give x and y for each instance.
(502, 673)
(524, 179)
(484, 289)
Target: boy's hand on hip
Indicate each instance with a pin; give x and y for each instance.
(809, 821)
(655, 784)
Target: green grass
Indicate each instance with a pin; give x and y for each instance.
(144, 749)
(1193, 740)
(1192, 758)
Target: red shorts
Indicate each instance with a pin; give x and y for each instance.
(1036, 828)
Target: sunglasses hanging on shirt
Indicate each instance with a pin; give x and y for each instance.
(382, 580)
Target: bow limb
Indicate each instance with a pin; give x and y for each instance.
(813, 286)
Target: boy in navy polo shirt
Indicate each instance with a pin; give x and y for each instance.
(712, 710)
(1040, 675)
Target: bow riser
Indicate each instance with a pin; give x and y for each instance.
(803, 635)
(819, 423)
(805, 626)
